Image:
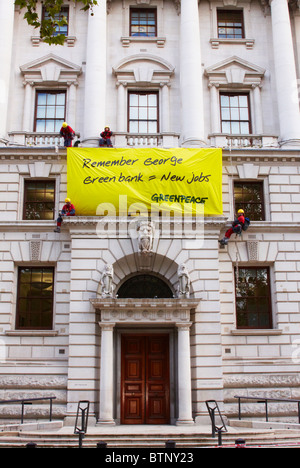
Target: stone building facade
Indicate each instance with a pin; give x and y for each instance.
(160, 73)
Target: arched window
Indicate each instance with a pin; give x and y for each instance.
(145, 287)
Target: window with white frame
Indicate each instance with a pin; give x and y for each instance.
(143, 112)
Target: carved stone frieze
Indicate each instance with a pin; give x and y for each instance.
(136, 311)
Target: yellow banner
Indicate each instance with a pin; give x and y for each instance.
(177, 179)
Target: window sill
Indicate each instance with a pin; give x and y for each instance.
(256, 332)
(36, 40)
(216, 42)
(31, 333)
(126, 41)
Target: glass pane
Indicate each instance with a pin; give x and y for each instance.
(224, 101)
(143, 114)
(235, 114)
(244, 115)
(234, 101)
(36, 276)
(134, 99)
(49, 196)
(50, 126)
(152, 113)
(50, 112)
(60, 113)
(41, 112)
(225, 127)
(133, 127)
(143, 128)
(245, 129)
(152, 100)
(42, 99)
(243, 101)
(51, 99)
(40, 126)
(235, 128)
(60, 99)
(143, 100)
(133, 113)
(58, 124)
(152, 127)
(225, 114)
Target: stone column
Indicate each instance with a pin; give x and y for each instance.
(285, 73)
(165, 107)
(184, 375)
(214, 109)
(71, 111)
(191, 86)
(95, 76)
(106, 375)
(257, 110)
(121, 109)
(7, 11)
(27, 113)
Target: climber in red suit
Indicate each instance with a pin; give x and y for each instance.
(237, 227)
(68, 133)
(67, 210)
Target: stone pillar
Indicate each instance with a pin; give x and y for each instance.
(184, 375)
(214, 109)
(285, 73)
(95, 77)
(71, 111)
(191, 86)
(27, 114)
(106, 375)
(258, 116)
(165, 108)
(7, 11)
(121, 112)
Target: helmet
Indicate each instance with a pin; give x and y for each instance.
(241, 212)
(64, 124)
(68, 200)
(107, 126)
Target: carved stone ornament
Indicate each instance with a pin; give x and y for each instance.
(184, 285)
(146, 231)
(107, 288)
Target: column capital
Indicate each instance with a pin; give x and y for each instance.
(183, 326)
(106, 326)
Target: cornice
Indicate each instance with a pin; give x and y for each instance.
(28, 154)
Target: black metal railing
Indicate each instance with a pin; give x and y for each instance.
(214, 414)
(29, 401)
(266, 402)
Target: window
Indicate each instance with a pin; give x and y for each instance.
(145, 286)
(143, 112)
(50, 111)
(230, 24)
(39, 199)
(235, 113)
(58, 17)
(143, 22)
(35, 298)
(249, 196)
(253, 298)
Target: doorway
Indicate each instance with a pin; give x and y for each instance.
(145, 379)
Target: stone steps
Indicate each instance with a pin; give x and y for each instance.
(147, 441)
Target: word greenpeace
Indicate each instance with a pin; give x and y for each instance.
(178, 199)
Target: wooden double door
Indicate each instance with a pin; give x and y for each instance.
(145, 379)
